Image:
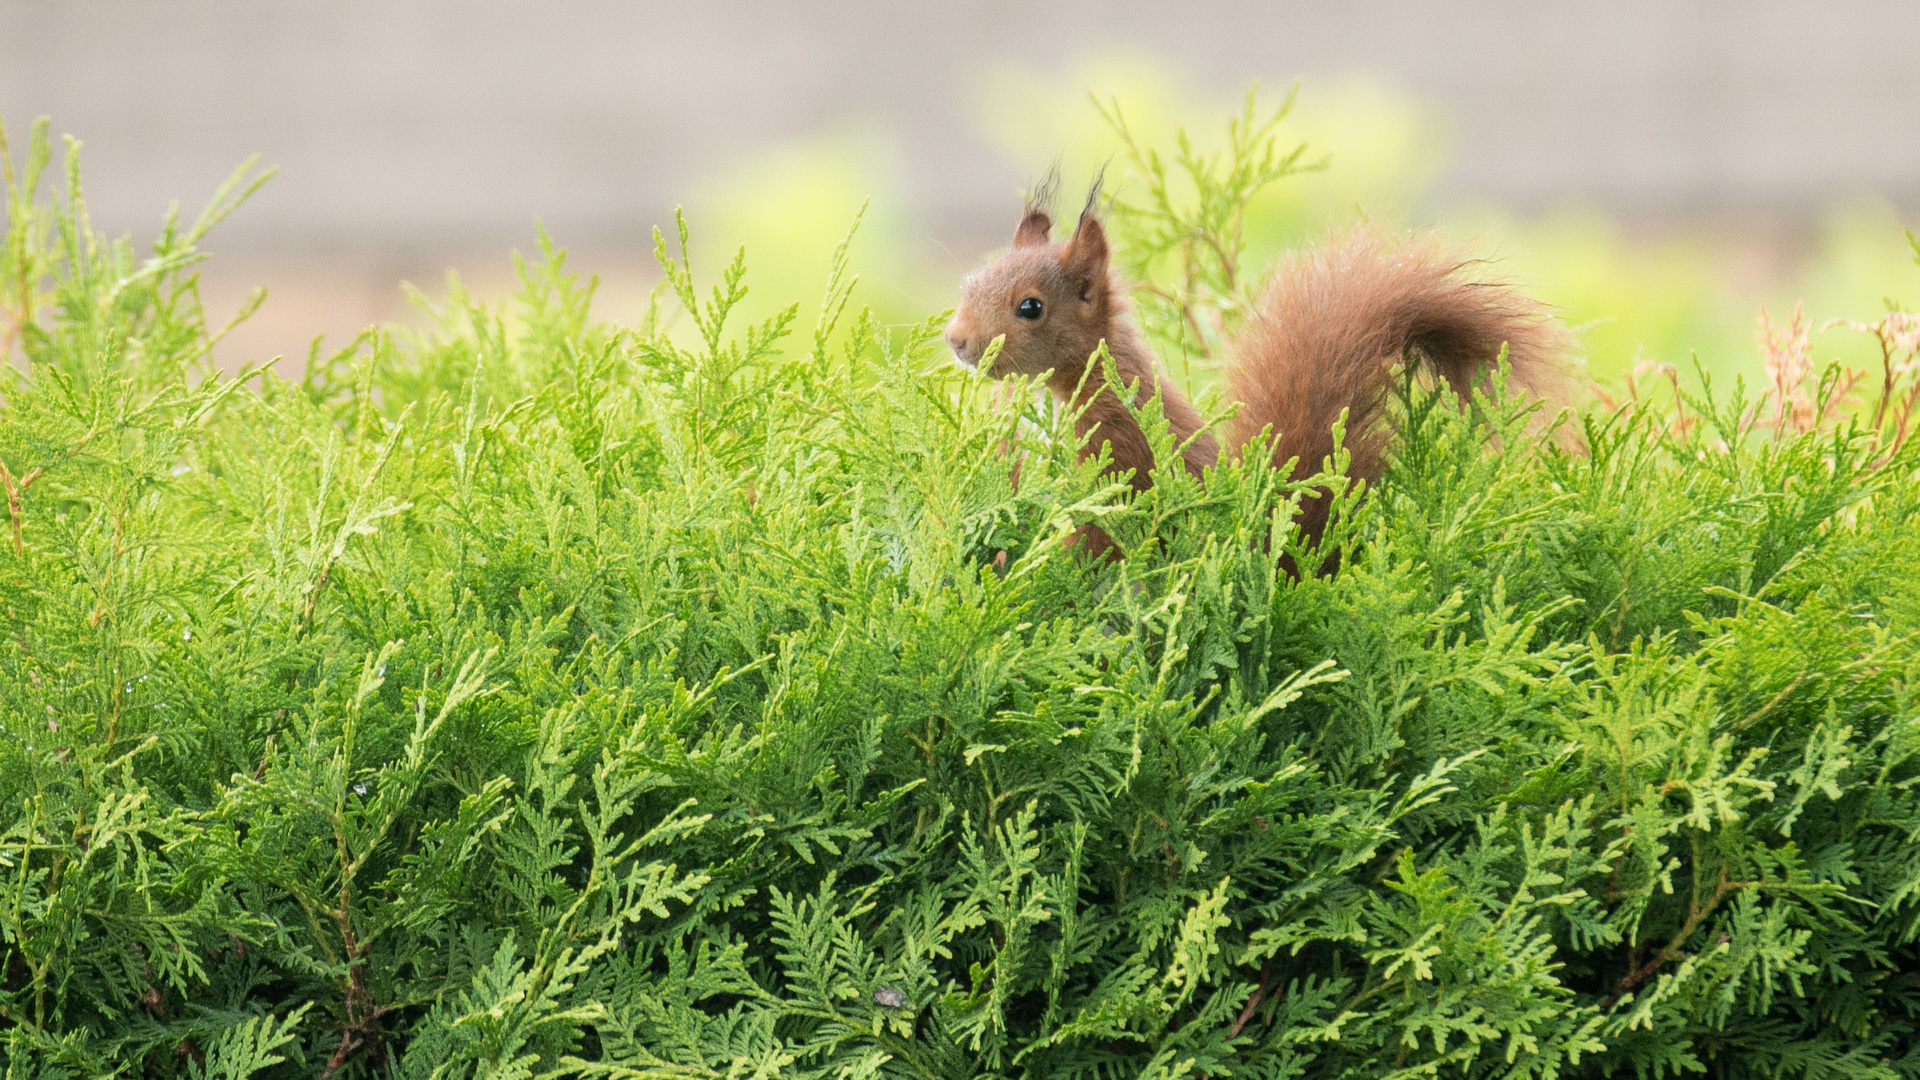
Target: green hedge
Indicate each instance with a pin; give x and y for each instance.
(534, 696)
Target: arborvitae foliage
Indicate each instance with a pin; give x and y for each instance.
(538, 697)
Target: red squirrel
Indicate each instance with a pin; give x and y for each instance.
(1327, 330)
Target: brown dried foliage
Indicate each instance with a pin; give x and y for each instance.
(1801, 395)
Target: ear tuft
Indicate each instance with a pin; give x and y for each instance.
(1036, 227)
(1093, 192)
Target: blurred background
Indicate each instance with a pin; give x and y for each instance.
(1660, 169)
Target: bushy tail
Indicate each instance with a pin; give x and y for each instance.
(1334, 321)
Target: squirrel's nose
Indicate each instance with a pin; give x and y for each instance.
(956, 341)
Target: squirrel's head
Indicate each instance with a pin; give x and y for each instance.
(1053, 302)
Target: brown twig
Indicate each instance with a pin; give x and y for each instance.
(1697, 913)
(1259, 995)
(16, 508)
(1769, 706)
(362, 1025)
(12, 335)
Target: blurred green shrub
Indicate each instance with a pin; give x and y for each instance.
(1668, 298)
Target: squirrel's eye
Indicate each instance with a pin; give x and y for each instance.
(1029, 308)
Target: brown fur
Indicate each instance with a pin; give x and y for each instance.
(1332, 323)
(1084, 305)
(1330, 326)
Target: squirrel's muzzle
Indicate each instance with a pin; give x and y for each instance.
(958, 341)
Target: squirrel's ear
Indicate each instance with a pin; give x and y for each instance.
(1086, 256)
(1036, 227)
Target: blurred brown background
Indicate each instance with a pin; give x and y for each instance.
(412, 135)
